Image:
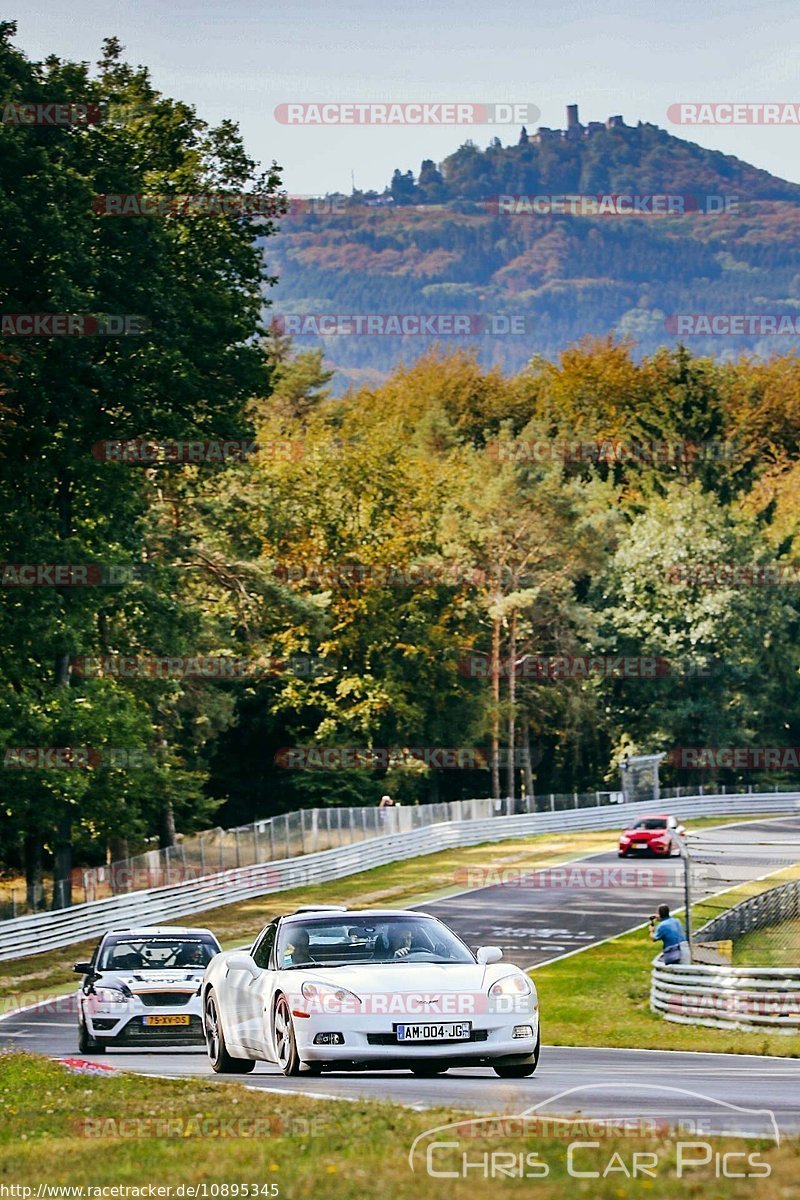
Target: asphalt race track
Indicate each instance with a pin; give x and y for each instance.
(534, 919)
(537, 916)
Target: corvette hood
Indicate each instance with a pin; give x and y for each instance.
(403, 978)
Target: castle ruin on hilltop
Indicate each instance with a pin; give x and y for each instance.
(575, 131)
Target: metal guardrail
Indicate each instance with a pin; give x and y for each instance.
(48, 931)
(744, 998)
(750, 999)
(293, 834)
(758, 912)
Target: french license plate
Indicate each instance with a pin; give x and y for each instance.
(456, 1031)
(166, 1019)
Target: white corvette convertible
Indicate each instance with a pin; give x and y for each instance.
(352, 990)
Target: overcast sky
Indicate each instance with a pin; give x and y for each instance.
(241, 58)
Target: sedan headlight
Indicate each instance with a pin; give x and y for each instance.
(325, 998)
(108, 995)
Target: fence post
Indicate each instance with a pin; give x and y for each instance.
(256, 849)
(236, 835)
(271, 839)
(552, 803)
(303, 830)
(575, 799)
(286, 833)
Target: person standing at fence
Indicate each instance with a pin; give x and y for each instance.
(669, 931)
(386, 802)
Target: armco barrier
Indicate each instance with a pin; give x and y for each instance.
(758, 912)
(746, 998)
(48, 931)
(751, 999)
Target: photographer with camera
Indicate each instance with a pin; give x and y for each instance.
(669, 931)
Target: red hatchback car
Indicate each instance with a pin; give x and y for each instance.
(652, 834)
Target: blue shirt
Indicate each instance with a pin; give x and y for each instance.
(670, 932)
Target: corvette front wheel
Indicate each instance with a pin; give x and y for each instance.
(221, 1061)
(520, 1070)
(285, 1041)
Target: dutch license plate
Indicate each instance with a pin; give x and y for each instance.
(640, 845)
(166, 1019)
(455, 1031)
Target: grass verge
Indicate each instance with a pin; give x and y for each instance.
(776, 946)
(64, 1129)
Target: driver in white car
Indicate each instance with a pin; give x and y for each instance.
(300, 952)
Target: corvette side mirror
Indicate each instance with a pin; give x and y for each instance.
(243, 962)
(488, 954)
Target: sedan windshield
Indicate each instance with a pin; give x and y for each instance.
(133, 953)
(653, 823)
(395, 940)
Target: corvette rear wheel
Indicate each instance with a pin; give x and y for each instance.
(221, 1061)
(285, 1041)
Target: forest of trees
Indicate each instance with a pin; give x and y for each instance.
(374, 543)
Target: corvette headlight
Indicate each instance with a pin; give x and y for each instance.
(107, 995)
(325, 998)
(511, 985)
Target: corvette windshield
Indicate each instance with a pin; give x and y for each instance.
(385, 940)
(157, 953)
